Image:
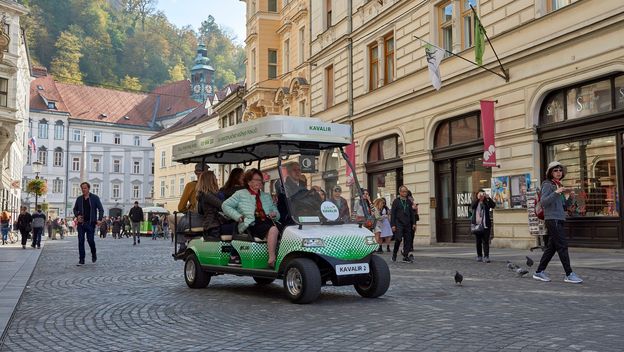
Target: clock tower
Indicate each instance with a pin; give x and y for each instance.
(202, 76)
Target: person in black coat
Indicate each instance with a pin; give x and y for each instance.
(402, 221)
(481, 216)
(24, 224)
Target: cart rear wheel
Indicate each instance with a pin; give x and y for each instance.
(194, 275)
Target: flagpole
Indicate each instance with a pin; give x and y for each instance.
(491, 46)
(463, 58)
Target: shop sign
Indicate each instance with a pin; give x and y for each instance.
(464, 201)
(487, 125)
(307, 163)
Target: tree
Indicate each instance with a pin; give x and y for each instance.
(139, 10)
(177, 72)
(131, 83)
(66, 63)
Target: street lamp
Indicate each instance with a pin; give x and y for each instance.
(36, 168)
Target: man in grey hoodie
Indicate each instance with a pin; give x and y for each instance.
(38, 223)
(554, 202)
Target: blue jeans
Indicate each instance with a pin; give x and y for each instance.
(5, 232)
(154, 231)
(88, 230)
(36, 240)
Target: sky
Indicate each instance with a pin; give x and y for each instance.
(227, 13)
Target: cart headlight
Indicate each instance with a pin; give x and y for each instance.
(370, 240)
(312, 242)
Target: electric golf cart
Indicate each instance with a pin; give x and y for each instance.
(317, 246)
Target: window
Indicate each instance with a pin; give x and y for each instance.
(329, 86)
(583, 100)
(43, 129)
(95, 165)
(181, 185)
(136, 191)
(272, 6)
(52, 105)
(445, 25)
(554, 5)
(58, 157)
(239, 115)
(163, 162)
(28, 155)
(373, 68)
(384, 149)
(253, 65)
(162, 188)
(7, 31)
(116, 191)
(457, 131)
(57, 185)
(272, 63)
(301, 56)
(42, 155)
(591, 166)
(152, 168)
(76, 135)
(224, 121)
(136, 167)
(328, 13)
(75, 189)
(286, 55)
(137, 141)
(95, 189)
(467, 22)
(388, 59)
(75, 164)
(4, 91)
(117, 165)
(302, 108)
(59, 130)
(117, 138)
(232, 118)
(97, 137)
(172, 187)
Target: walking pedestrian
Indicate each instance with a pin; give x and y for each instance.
(136, 216)
(88, 211)
(481, 222)
(125, 226)
(38, 223)
(402, 221)
(24, 224)
(103, 228)
(71, 225)
(116, 228)
(5, 219)
(165, 226)
(49, 226)
(416, 219)
(555, 198)
(63, 228)
(155, 222)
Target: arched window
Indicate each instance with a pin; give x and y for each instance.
(58, 157)
(59, 130)
(43, 129)
(42, 155)
(384, 167)
(458, 130)
(382, 149)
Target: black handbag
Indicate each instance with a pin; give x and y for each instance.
(476, 229)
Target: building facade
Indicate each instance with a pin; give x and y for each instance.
(277, 49)
(15, 79)
(100, 136)
(563, 100)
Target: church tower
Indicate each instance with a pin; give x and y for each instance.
(202, 76)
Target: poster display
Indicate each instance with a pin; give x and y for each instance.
(500, 191)
(510, 192)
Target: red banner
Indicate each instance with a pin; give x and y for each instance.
(350, 151)
(488, 130)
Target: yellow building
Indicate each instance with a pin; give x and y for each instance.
(277, 49)
(564, 100)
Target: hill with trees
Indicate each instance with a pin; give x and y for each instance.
(124, 44)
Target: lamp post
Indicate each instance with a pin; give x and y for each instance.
(36, 168)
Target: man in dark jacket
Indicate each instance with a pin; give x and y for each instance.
(89, 212)
(136, 216)
(402, 221)
(24, 224)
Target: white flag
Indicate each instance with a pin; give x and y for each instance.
(434, 57)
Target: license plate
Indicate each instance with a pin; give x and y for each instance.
(352, 269)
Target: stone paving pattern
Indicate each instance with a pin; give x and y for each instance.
(135, 299)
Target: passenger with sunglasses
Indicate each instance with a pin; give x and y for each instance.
(554, 202)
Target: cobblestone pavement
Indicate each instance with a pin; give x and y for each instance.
(135, 299)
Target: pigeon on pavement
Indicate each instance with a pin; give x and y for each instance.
(458, 278)
(521, 272)
(511, 266)
(529, 261)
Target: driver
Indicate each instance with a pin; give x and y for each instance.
(294, 187)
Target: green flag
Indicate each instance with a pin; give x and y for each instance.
(479, 39)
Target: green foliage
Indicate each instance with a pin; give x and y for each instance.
(131, 83)
(37, 186)
(128, 45)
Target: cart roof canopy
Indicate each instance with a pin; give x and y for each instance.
(262, 139)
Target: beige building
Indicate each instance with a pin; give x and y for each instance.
(277, 48)
(564, 100)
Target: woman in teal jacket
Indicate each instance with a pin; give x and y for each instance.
(254, 210)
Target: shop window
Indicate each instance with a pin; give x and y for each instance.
(552, 110)
(619, 92)
(470, 177)
(383, 149)
(591, 166)
(589, 99)
(458, 131)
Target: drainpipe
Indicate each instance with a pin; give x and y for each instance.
(350, 57)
